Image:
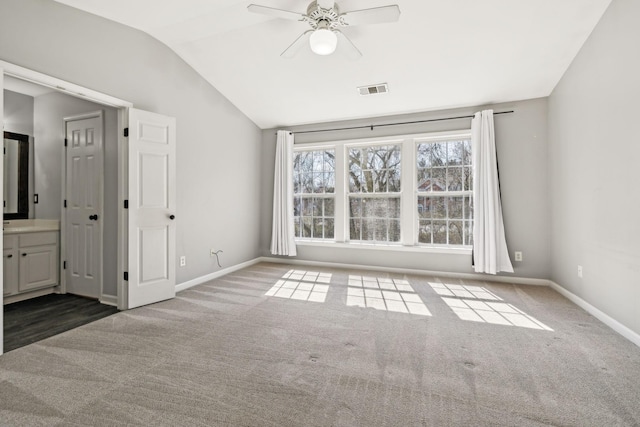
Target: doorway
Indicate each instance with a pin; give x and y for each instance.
(144, 227)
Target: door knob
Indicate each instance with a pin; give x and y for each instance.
(172, 217)
(93, 217)
(24, 254)
(10, 256)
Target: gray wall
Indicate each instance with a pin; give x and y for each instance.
(593, 163)
(49, 113)
(218, 148)
(521, 140)
(18, 113)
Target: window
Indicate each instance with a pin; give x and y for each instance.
(374, 193)
(444, 192)
(402, 191)
(314, 194)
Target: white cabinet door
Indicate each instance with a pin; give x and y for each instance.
(10, 272)
(38, 267)
(152, 208)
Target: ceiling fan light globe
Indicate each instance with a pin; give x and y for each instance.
(323, 41)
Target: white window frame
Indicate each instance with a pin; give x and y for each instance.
(408, 194)
(440, 137)
(323, 147)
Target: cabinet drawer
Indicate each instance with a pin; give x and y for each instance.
(10, 241)
(38, 239)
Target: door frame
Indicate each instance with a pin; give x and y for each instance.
(7, 68)
(63, 216)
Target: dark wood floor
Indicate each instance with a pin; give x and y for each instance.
(29, 321)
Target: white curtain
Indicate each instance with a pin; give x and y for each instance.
(282, 234)
(490, 253)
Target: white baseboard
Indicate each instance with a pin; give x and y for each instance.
(109, 300)
(603, 317)
(468, 276)
(198, 280)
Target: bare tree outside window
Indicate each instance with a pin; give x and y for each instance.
(314, 180)
(444, 191)
(374, 193)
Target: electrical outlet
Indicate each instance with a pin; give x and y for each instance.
(518, 256)
(183, 261)
(580, 271)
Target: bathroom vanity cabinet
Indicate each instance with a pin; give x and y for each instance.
(30, 262)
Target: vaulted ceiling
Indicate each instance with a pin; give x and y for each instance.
(440, 54)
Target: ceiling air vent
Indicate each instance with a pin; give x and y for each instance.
(374, 89)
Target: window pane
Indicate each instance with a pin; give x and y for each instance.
(394, 230)
(316, 207)
(468, 179)
(468, 207)
(306, 183)
(424, 207)
(329, 182)
(456, 233)
(394, 208)
(454, 179)
(368, 229)
(355, 207)
(329, 207)
(454, 207)
(328, 228)
(455, 153)
(468, 231)
(438, 153)
(318, 227)
(440, 232)
(438, 207)
(355, 226)
(438, 179)
(467, 152)
(425, 229)
(307, 225)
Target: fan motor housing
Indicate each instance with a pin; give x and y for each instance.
(316, 15)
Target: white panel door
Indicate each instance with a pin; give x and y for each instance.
(84, 180)
(152, 208)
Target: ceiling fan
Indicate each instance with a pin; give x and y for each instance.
(325, 18)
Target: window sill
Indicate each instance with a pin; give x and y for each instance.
(379, 247)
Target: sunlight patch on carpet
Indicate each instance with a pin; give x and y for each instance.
(302, 285)
(385, 294)
(478, 304)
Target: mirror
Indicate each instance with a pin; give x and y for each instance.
(16, 176)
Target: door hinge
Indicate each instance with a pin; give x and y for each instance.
(126, 276)
(126, 204)
(126, 132)
(65, 142)
(64, 265)
(65, 203)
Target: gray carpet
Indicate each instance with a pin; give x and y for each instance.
(224, 353)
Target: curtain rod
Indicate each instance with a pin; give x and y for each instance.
(397, 124)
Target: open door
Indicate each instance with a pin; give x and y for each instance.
(151, 208)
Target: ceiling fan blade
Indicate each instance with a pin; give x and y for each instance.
(278, 13)
(293, 49)
(376, 15)
(326, 4)
(347, 46)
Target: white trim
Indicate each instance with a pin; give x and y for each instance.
(386, 247)
(603, 317)
(203, 279)
(109, 300)
(467, 276)
(62, 86)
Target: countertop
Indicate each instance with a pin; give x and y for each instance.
(30, 225)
